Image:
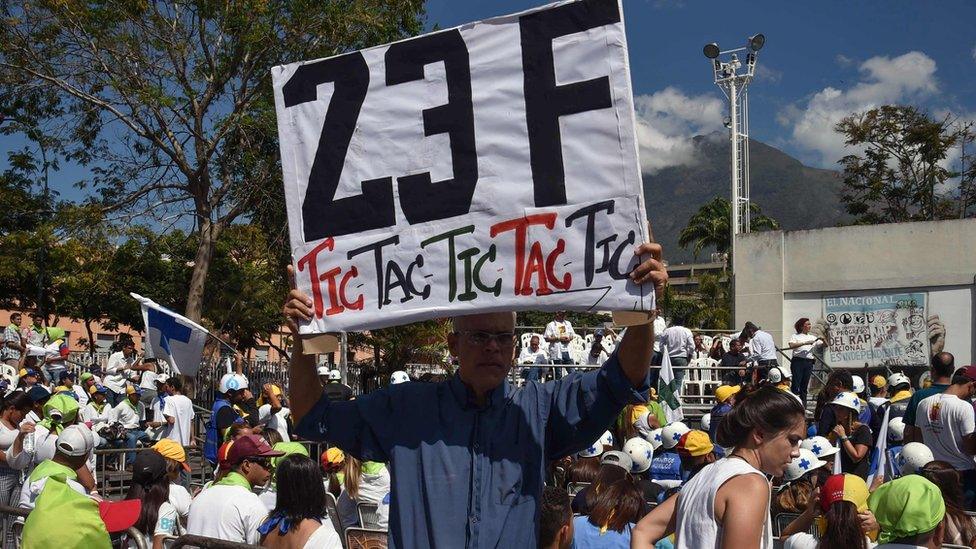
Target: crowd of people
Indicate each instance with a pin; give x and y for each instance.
(590, 458)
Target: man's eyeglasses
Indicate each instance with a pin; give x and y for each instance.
(504, 339)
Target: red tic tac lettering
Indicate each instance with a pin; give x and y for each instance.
(338, 301)
(530, 259)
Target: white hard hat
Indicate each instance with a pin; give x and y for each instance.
(641, 453)
(898, 379)
(913, 457)
(706, 422)
(820, 446)
(672, 434)
(606, 439)
(399, 376)
(594, 450)
(323, 370)
(232, 382)
(848, 400)
(334, 375)
(807, 461)
(896, 429)
(858, 384)
(654, 437)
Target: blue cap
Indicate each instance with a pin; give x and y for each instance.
(38, 393)
(65, 375)
(31, 372)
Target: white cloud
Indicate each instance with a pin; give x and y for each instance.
(843, 60)
(884, 80)
(666, 122)
(768, 74)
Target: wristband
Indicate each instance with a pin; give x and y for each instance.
(843, 438)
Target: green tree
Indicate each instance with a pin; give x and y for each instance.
(170, 102)
(899, 175)
(394, 348)
(710, 226)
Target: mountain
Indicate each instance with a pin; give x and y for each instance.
(797, 196)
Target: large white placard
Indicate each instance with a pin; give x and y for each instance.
(489, 167)
(881, 329)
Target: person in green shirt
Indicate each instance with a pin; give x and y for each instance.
(943, 364)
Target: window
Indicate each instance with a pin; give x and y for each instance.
(103, 342)
(261, 353)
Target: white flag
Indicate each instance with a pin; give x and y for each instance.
(171, 337)
(668, 391)
(879, 454)
(838, 469)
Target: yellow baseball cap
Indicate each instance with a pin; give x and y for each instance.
(695, 443)
(723, 392)
(132, 390)
(879, 381)
(171, 449)
(333, 457)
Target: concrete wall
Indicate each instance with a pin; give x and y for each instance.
(781, 276)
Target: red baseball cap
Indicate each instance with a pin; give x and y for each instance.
(250, 446)
(968, 372)
(118, 516)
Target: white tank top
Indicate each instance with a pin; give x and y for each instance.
(696, 526)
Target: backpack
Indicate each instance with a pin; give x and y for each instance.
(213, 440)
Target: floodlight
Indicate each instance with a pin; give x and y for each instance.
(756, 42)
(711, 50)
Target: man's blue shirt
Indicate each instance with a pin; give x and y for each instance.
(464, 476)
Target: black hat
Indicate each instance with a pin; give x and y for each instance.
(149, 467)
(38, 393)
(750, 327)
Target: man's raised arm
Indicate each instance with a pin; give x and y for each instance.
(304, 387)
(637, 345)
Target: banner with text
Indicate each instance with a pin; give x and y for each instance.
(883, 329)
(490, 167)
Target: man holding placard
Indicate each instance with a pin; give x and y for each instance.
(467, 456)
(468, 173)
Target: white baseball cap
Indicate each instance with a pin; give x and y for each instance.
(335, 375)
(399, 376)
(606, 439)
(858, 384)
(75, 440)
(232, 382)
(618, 458)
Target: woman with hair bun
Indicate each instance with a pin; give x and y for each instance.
(727, 503)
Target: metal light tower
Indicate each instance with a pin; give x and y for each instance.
(735, 87)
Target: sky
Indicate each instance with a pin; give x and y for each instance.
(821, 61)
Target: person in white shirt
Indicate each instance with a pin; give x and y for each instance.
(178, 413)
(597, 353)
(803, 344)
(659, 326)
(762, 350)
(680, 343)
(74, 444)
(272, 413)
(532, 356)
(948, 427)
(115, 372)
(147, 379)
(558, 334)
(229, 510)
(131, 413)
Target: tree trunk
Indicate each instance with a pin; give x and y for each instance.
(209, 233)
(91, 340)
